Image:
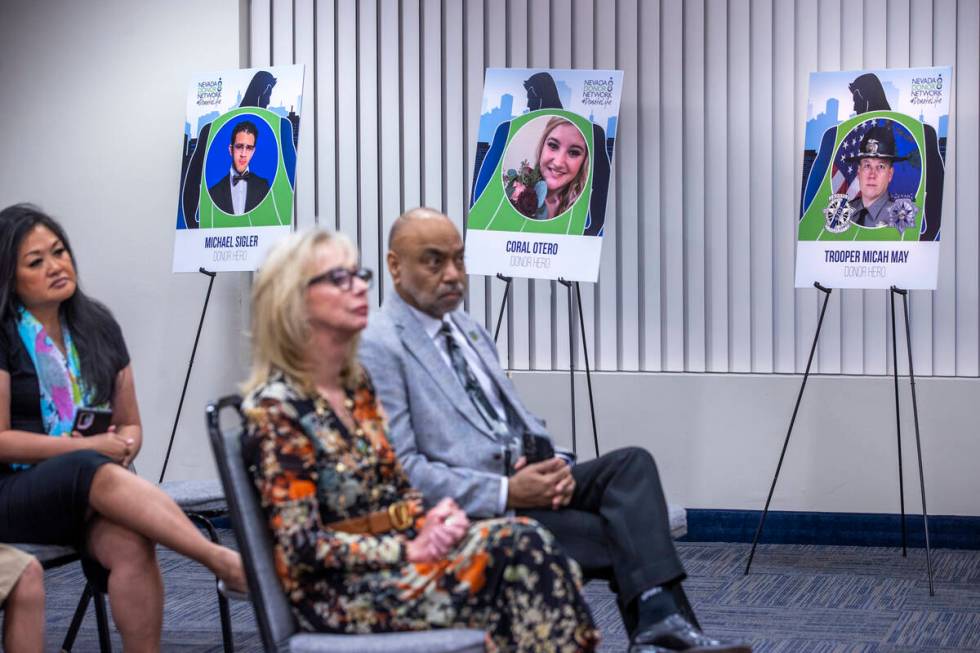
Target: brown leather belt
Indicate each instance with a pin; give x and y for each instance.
(396, 517)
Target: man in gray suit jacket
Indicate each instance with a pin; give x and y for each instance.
(460, 430)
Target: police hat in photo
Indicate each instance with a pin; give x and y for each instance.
(878, 143)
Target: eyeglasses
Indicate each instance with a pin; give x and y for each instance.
(243, 147)
(343, 278)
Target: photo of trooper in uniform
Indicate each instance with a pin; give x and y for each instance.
(871, 197)
(874, 205)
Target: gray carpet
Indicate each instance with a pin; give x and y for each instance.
(798, 599)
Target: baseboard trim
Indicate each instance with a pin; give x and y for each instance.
(843, 528)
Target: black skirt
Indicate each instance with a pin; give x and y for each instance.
(48, 504)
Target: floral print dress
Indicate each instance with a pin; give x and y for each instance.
(507, 576)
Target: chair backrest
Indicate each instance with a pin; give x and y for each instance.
(276, 621)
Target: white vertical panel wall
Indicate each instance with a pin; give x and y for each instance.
(697, 270)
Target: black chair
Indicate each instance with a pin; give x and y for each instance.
(203, 501)
(277, 625)
(52, 556)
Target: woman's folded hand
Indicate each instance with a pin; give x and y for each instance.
(445, 525)
(112, 444)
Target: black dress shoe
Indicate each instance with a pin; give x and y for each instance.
(675, 633)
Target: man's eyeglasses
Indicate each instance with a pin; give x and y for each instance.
(243, 147)
(343, 278)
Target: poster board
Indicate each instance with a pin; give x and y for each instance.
(873, 167)
(238, 167)
(541, 174)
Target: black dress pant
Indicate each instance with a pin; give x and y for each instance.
(616, 526)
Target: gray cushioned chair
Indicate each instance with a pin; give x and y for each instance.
(202, 501)
(278, 627)
(52, 556)
(678, 520)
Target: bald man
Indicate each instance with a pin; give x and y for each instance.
(460, 430)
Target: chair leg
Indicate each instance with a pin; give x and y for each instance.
(225, 615)
(223, 610)
(102, 618)
(76, 620)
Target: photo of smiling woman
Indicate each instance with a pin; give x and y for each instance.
(550, 185)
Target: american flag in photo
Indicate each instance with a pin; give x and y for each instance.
(844, 178)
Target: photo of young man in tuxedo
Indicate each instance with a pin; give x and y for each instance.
(240, 190)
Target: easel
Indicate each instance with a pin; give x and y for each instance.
(571, 351)
(915, 413)
(190, 366)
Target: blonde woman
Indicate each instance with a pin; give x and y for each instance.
(563, 159)
(352, 552)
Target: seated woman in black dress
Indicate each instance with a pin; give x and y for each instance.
(60, 351)
(349, 552)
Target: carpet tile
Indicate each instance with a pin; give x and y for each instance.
(797, 599)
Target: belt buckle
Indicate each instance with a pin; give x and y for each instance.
(400, 515)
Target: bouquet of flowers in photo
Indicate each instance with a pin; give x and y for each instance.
(526, 190)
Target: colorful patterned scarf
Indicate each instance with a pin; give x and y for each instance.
(58, 375)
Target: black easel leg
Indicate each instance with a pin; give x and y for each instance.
(898, 427)
(796, 408)
(918, 442)
(190, 366)
(503, 305)
(588, 374)
(572, 346)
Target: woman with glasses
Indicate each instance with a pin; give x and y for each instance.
(353, 552)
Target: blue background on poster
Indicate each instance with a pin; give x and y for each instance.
(263, 163)
(905, 182)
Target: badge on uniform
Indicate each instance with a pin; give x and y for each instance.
(901, 214)
(838, 214)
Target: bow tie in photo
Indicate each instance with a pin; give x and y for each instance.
(238, 178)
